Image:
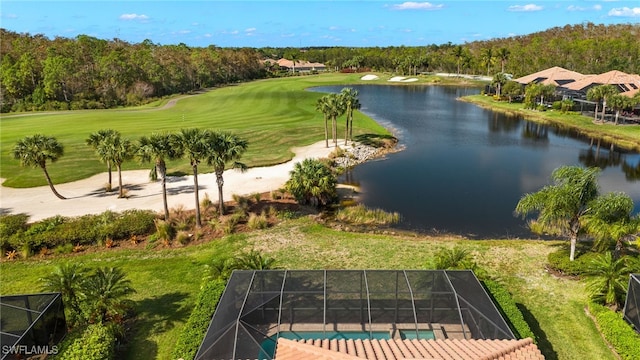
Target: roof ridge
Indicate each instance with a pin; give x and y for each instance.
(315, 351)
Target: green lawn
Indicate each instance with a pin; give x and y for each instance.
(168, 280)
(273, 115)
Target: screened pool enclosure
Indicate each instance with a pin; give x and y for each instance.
(257, 307)
(632, 305)
(31, 325)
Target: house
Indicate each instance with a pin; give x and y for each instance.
(343, 314)
(556, 76)
(626, 84)
(31, 325)
(301, 65)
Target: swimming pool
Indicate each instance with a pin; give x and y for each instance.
(268, 346)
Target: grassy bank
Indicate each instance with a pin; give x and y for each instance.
(168, 280)
(624, 136)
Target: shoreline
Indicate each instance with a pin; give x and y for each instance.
(623, 142)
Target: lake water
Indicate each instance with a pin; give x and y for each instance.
(464, 168)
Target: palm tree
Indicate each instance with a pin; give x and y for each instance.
(595, 94)
(487, 58)
(321, 105)
(499, 80)
(600, 93)
(312, 182)
(159, 148)
(610, 221)
(351, 102)
(95, 140)
(458, 53)
(608, 278)
(106, 291)
(68, 280)
(192, 144)
(116, 151)
(35, 151)
(503, 55)
(224, 148)
(335, 107)
(618, 102)
(561, 206)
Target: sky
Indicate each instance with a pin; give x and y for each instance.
(303, 23)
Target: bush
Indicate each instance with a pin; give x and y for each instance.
(559, 261)
(194, 330)
(11, 225)
(616, 331)
(96, 342)
(509, 310)
(257, 221)
(362, 215)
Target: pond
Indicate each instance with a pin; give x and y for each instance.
(464, 168)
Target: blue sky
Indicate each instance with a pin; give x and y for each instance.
(305, 23)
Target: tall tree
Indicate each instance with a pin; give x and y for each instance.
(36, 151)
(117, 150)
(222, 149)
(562, 206)
(487, 58)
(193, 145)
(499, 80)
(321, 106)
(351, 103)
(158, 148)
(618, 102)
(96, 140)
(503, 55)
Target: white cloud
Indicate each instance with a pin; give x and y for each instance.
(528, 7)
(625, 12)
(207, 35)
(9, 16)
(581, 8)
(410, 5)
(250, 30)
(332, 28)
(130, 17)
(183, 32)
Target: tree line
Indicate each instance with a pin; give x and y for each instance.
(85, 72)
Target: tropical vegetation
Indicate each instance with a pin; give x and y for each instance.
(90, 73)
(36, 151)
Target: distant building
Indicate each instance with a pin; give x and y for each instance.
(301, 65)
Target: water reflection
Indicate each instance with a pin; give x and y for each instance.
(465, 168)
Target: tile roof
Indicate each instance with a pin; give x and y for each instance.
(447, 349)
(555, 76)
(613, 77)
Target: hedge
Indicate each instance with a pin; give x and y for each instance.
(507, 307)
(96, 342)
(194, 330)
(616, 331)
(559, 261)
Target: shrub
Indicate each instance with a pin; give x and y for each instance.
(194, 330)
(96, 342)
(557, 105)
(362, 215)
(257, 221)
(616, 331)
(183, 237)
(11, 224)
(164, 230)
(131, 222)
(559, 261)
(509, 310)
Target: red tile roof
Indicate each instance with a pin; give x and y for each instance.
(447, 349)
(613, 77)
(552, 76)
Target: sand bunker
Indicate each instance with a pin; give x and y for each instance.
(369, 77)
(402, 79)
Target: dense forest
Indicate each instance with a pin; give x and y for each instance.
(39, 73)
